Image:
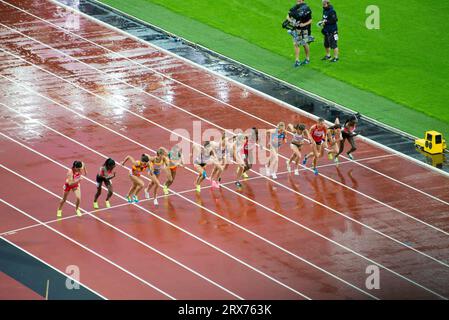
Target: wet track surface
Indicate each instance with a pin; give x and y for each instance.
(94, 93)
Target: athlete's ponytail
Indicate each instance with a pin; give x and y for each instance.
(77, 165)
(145, 158)
(109, 163)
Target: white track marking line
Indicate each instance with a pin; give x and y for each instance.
(49, 265)
(282, 103)
(143, 146)
(80, 244)
(5, 233)
(326, 177)
(257, 173)
(133, 238)
(166, 221)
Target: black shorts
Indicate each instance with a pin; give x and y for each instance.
(346, 135)
(330, 40)
(299, 145)
(101, 179)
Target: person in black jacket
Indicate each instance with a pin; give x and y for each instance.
(300, 16)
(330, 31)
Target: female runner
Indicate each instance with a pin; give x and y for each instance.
(277, 137)
(205, 155)
(72, 183)
(348, 133)
(318, 138)
(138, 167)
(156, 164)
(224, 152)
(334, 138)
(239, 155)
(249, 151)
(300, 135)
(175, 161)
(105, 175)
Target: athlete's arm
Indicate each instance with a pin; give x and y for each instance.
(312, 141)
(84, 169)
(306, 135)
(70, 181)
(129, 158)
(181, 158)
(69, 178)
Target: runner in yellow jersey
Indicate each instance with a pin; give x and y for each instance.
(157, 163)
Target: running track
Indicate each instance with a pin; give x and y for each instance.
(96, 92)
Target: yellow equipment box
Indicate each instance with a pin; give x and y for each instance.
(433, 143)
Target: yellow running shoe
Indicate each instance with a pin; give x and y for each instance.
(78, 213)
(330, 156)
(96, 205)
(59, 213)
(198, 188)
(245, 175)
(108, 204)
(165, 189)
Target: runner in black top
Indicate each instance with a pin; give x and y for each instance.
(105, 174)
(348, 133)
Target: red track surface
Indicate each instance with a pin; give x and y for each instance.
(298, 237)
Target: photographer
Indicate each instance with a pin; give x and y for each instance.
(330, 30)
(300, 20)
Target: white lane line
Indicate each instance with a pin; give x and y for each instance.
(143, 91)
(164, 220)
(143, 146)
(80, 244)
(268, 97)
(92, 212)
(49, 265)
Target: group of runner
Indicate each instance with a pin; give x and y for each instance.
(237, 149)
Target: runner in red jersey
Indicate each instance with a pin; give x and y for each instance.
(250, 150)
(318, 138)
(72, 183)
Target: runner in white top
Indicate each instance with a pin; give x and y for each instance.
(224, 151)
(204, 155)
(300, 135)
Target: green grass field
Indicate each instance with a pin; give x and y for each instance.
(398, 74)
